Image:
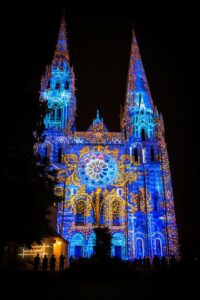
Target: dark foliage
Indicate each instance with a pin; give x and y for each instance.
(27, 185)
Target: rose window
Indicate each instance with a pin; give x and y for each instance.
(97, 169)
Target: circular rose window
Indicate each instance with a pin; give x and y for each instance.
(97, 169)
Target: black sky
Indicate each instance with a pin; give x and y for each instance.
(99, 45)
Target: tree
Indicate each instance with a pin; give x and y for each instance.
(28, 186)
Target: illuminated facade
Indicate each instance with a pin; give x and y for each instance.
(117, 179)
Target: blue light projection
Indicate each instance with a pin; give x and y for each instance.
(117, 179)
(97, 169)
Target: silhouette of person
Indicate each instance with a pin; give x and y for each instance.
(36, 262)
(140, 263)
(173, 261)
(163, 262)
(145, 263)
(52, 263)
(62, 262)
(156, 262)
(45, 263)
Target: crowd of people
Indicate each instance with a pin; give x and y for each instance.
(143, 264)
(48, 263)
(155, 263)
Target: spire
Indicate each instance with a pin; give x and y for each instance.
(97, 119)
(61, 52)
(138, 93)
(98, 124)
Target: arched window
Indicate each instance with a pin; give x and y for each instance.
(59, 155)
(143, 135)
(135, 154)
(140, 248)
(67, 85)
(158, 247)
(80, 213)
(59, 113)
(52, 114)
(152, 154)
(57, 87)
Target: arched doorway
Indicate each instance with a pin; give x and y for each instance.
(118, 245)
(77, 245)
(140, 248)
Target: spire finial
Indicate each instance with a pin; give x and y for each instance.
(137, 81)
(97, 115)
(61, 51)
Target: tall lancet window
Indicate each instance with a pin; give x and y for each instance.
(59, 155)
(135, 154)
(59, 113)
(143, 135)
(158, 247)
(152, 152)
(52, 114)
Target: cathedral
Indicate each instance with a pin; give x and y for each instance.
(120, 180)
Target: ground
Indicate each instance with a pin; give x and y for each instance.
(178, 283)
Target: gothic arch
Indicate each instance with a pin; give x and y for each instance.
(77, 245)
(118, 245)
(140, 243)
(158, 244)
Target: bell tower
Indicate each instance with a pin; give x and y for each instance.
(57, 88)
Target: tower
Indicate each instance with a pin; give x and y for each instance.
(120, 180)
(57, 88)
(143, 127)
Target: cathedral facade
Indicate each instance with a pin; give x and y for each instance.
(120, 180)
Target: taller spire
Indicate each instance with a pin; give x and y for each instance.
(139, 108)
(138, 93)
(61, 52)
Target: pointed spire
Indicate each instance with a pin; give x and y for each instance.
(97, 119)
(61, 52)
(137, 87)
(97, 124)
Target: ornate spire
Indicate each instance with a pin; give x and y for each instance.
(61, 52)
(97, 119)
(98, 124)
(138, 93)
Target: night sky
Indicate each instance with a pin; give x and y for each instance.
(99, 44)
